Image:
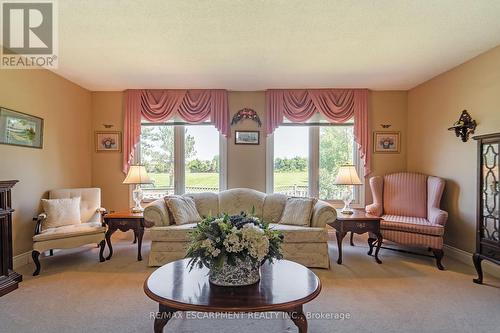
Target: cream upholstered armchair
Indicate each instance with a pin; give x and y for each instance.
(409, 206)
(60, 229)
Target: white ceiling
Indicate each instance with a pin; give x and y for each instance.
(254, 45)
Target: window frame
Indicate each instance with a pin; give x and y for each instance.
(313, 164)
(179, 156)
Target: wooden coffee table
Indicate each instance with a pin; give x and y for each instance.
(359, 223)
(284, 286)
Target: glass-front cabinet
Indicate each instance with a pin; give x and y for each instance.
(488, 202)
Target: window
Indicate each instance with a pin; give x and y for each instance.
(202, 162)
(336, 147)
(306, 157)
(182, 158)
(157, 155)
(291, 166)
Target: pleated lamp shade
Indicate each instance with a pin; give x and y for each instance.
(137, 174)
(347, 175)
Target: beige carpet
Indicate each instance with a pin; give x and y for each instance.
(76, 293)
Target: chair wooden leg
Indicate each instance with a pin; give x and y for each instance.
(35, 255)
(438, 253)
(102, 244)
(476, 258)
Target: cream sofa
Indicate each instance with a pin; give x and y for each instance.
(305, 245)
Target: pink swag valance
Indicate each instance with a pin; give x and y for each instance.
(337, 105)
(159, 105)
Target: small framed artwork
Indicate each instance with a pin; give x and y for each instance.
(386, 142)
(108, 141)
(20, 129)
(246, 137)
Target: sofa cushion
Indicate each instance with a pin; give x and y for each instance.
(70, 231)
(182, 210)
(207, 203)
(172, 233)
(298, 234)
(291, 233)
(61, 212)
(298, 211)
(411, 224)
(273, 207)
(405, 194)
(239, 200)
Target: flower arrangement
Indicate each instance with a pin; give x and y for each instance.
(222, 241)
(108, 142)
(386, 142)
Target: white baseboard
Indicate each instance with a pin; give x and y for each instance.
(22, 259)
(466, 258)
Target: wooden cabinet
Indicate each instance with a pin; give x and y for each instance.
(8, 278)
(488, 202)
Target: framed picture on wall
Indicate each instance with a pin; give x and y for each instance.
(20, 129)
(246, 137)
(386, 142)
(108, 141)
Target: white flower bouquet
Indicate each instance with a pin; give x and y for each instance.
(239, 241)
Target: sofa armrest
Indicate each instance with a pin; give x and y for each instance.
(376, 186)
(374, 209)
(323, 213)
(156, 212)
(102, 212)
(437, 216)
(435, 189)
(38, 225)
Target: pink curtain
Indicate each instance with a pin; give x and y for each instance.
(158, 105)
(337, 105)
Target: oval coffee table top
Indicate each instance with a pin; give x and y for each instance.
(282, 285)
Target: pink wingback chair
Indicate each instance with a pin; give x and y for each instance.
(409, 206)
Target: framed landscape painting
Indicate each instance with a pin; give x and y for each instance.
(246, 137)
(108, 142)
(386, 142)
(20, 129)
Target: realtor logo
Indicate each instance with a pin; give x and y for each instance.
(29, 38)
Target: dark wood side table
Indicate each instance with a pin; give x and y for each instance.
(359, 222)
(125, 221)
(175, 288)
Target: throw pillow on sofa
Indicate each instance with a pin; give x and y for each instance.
(182, 210)
(298, 211)
(61, 212)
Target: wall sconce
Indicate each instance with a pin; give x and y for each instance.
(464, 126)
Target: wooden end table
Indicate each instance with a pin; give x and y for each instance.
(125, 221)
(176, 288)
(359, 223)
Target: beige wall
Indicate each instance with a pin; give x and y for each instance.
(247, 163)
(106, 166)
(65, 158)
(389, 108)
(434, 106)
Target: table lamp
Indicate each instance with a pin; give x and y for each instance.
(347, 175)
(137, 175)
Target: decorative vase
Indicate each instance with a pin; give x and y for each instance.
(243, 273)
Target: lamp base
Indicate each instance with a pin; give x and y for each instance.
(347, 211)
(137, 196)
(137, 210)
